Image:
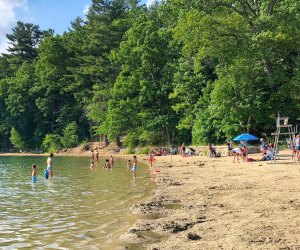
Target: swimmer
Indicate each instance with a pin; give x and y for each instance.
(133, 170)
(49, 165)
(46, 173)
(33, 173)
(92, 165)
(128, 165)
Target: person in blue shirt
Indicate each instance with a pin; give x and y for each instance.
(46, 173)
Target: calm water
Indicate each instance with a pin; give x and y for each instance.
(76, 209)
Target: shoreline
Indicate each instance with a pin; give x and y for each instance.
(213, 203)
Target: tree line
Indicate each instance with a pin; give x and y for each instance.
(193, 71)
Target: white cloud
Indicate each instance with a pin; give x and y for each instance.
(150, 2)
(86, 9)
(8, 18)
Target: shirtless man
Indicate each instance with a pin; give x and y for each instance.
(49, 165)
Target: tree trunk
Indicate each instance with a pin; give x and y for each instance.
(118, 142)
(168, 135)
(248, 124)
(105, 140)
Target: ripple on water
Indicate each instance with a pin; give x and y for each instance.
(76, 209)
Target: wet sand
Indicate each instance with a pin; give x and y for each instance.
(213, 203)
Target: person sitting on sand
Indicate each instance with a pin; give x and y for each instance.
(268, 155)
(236, 153)
(212, 151)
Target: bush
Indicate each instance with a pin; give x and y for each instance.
(130, 151)
(131, 140)
(52, 143)
(144, 150)
(16, 139)
(149, 138)
(70, 137)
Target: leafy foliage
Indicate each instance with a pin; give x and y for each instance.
(16, 139)
(182, 70)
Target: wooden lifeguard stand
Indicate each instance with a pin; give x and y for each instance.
(283, 128)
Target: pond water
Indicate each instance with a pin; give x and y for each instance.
(76, 209)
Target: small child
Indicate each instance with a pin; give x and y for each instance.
(134, 170)
(111, 161)
(92, 164)
(106, 164)
(128, 164)
(46, 173)
(33, 173)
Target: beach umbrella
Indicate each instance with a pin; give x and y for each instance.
(246, 137)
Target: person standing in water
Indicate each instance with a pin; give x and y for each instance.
(33, 174)
(111, 161)
(49, 165)
(134, 160)
(46, 173)
(92, 154)
(133, 170)
(97, 155)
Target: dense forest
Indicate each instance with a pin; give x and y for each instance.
(193, 71)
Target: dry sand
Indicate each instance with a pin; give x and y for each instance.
(213, 203)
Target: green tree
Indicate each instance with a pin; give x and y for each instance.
(16, 139)
(70, 136)
(140, 94)
(51, 143)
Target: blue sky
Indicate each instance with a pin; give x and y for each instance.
(54, 14)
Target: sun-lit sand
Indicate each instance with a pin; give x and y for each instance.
(213, 203)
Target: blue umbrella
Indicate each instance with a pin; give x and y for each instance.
(245, 137)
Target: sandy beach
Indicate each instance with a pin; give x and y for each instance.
(213, 203)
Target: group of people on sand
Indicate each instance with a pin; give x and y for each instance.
(294, 145)
(48, 172)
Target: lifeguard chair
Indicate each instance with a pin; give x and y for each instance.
(283, 128)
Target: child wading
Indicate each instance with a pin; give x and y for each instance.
(134, 170)
(33, 173)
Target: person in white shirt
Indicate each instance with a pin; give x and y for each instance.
(236, 153)
(297, 146)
